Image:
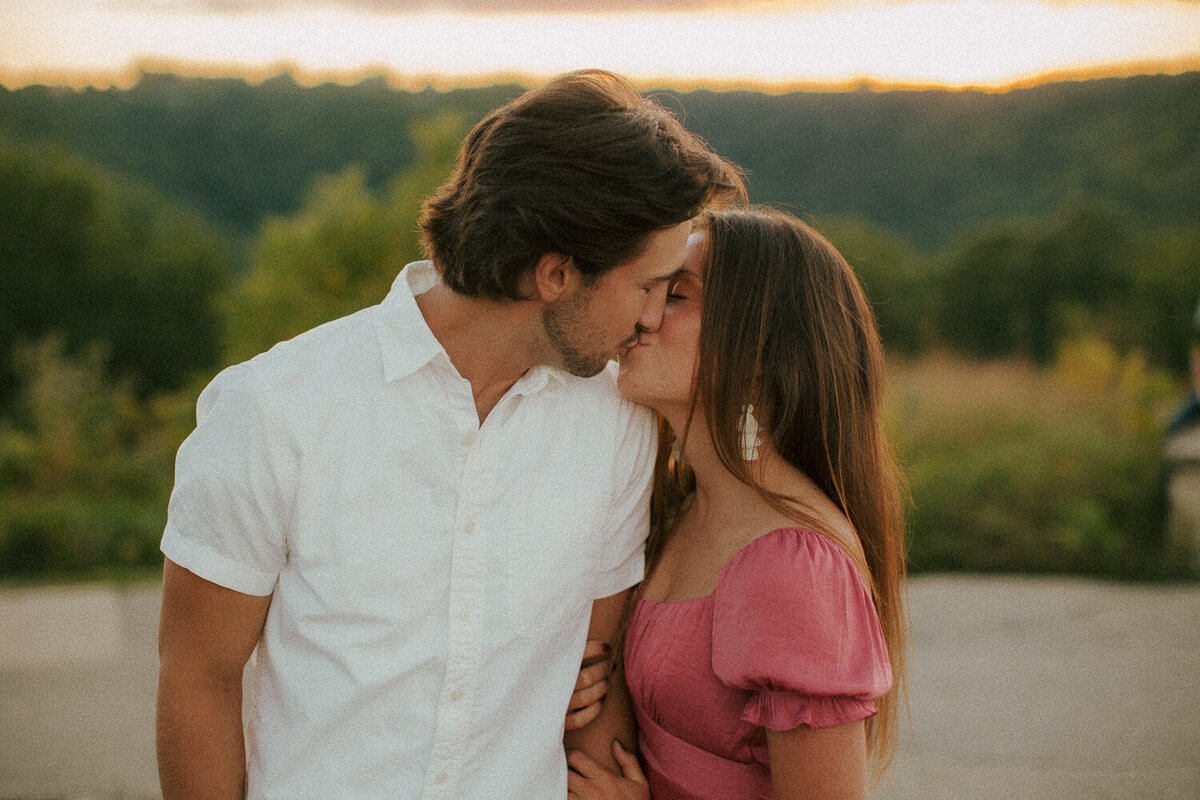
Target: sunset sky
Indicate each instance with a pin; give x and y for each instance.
(772, 42)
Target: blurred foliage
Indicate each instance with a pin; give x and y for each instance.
(86, 462)
(1033, 258)
(1012, 468)
(928, 164)
(85, 465)
(900, 283)
(340, 252)
(932, 164)
(94, 257)
(239, 152)
(1019, 288)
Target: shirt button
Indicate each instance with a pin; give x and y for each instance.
(465, 614)
(456, 695)
(468, 440)
(469, 527)
(441, 777)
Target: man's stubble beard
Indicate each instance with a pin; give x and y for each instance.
(567, 330)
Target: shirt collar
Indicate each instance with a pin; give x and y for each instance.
(407, 344)
(539, 378)
(405, 341)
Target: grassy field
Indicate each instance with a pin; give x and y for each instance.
(1017, 469)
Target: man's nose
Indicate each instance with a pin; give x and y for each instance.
(652, 313)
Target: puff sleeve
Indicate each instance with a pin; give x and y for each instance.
(794, 624)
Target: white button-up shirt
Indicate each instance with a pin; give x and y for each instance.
(431, 578)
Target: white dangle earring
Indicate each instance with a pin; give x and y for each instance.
(748, 427)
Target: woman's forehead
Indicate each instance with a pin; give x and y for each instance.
(694, 253)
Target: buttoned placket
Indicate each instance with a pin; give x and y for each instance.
(468, 581)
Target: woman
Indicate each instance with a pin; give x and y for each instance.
(763, 653)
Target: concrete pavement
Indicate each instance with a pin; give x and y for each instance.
(1020, 688)
(1050, 689)
(78, 668)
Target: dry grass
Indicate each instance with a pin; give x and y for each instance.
(1018, 469)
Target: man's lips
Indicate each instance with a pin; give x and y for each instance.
(631, 342)
(629, 348)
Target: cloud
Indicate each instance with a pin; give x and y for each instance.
(917, 42)
(408, 7)
(401, 7)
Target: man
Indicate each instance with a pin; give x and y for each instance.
(1182, 455)
(411, 511)
(1188, 414)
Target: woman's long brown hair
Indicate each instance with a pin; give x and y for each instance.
(787, 328)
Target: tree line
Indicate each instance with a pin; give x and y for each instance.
(150, 236)
(927, 165)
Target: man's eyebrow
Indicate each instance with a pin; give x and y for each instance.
(670, 277)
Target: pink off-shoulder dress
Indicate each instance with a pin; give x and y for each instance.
(788, 637)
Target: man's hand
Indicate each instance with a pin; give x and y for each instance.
(591, 686)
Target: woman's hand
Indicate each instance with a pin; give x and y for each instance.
(588, 780)
(591, 686)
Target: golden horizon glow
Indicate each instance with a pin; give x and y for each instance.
(958, 44)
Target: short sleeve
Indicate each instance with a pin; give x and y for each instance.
(794, 624)
(629, 511)
(229, 509)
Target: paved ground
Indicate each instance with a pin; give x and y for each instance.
(1028, 689)
(1021, 689)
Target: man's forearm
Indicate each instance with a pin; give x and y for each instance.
(616, 718)
(616, 721)
(201, 749)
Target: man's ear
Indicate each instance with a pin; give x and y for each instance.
(555, 277)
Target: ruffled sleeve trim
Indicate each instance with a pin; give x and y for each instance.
(783, 710)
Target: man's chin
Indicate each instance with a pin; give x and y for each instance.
(586, 370)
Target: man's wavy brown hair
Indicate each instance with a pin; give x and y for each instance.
(584, 166)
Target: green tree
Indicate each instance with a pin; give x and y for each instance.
(340, 252)
(984, 306)
(899, 281)
(237, 151)
(1157, 315)
(1020, 288)
(85, 465)
(96, 258)
(1079, 274)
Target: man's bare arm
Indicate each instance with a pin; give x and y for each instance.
(206, 634)
(615, 720)
(592, 684)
